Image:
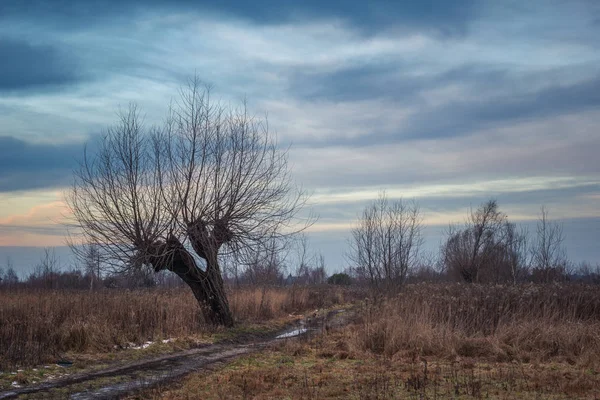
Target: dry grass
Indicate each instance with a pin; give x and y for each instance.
(501, 323)
(431, 342)
(259, 304)
(39, 326)
(329, 368)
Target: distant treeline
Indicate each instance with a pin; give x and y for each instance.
(384, 253)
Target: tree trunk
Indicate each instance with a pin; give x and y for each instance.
(207, 286)
(209, 291)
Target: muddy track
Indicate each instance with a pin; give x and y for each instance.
(116, 382)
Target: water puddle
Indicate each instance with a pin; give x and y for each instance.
(64, 363)
(294, 333)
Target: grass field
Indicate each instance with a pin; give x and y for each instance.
(431, 342)
(42, 326)
(428, 341)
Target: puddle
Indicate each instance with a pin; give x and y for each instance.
(294, 333)
(64, 363)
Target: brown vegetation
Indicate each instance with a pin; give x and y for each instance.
(502, 322)
(432, 341)
(39, 326)
(428, 341)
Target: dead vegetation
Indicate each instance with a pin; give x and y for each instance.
(499, 323)
(431, 342)
(39, 326)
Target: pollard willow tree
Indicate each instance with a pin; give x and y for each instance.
(211, 183)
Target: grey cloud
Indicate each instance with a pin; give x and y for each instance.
(563, 160)
(357, 82)
(503, 100)
(463, 117)
(27, 66)
(347, 210)
(391, 79)
(26, 165)
(54, 230)
(437, 16)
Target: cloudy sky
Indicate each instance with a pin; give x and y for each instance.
(447, 102)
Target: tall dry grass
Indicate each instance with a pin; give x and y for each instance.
(37, 326)
(501, 323)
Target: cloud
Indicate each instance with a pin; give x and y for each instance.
(433, 15)
(464, 117)
(44, 214)
(561, 146)
(29, 66)
(448, 101)
(26, 165)
(41, 224)
(437, 16)
(456, 102)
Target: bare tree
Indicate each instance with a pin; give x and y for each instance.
(472, 251)
(307, 264)
(318, 275)
(92, 263)
(10, 277)
(48, 267)
(548, 254)
(266, 266)
(386, 241)
(303, 258)
(8, 265)
(516, 251)
(210, 183)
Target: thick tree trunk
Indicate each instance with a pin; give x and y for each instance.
(209, 291)
(207, 286)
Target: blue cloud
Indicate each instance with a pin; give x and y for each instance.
(436, 16)
(28, 66)
(503, 99)
(463, 117)
(392, 80)
(26, 165)
(357, 82)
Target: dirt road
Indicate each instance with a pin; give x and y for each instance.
(116, 382)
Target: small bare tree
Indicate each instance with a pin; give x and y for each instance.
(92, 260)
(488, 248)
(8, 265)
(516, 252)
(9, 277)
(472, 251)
(303, 259)
(210, 183)
(386, 241)
(318, 275)
(266, 265)
(47, 268)
(548, 254)
(309, 267)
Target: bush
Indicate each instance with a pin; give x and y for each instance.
(340, 279)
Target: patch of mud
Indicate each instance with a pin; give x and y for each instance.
(164, 373)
